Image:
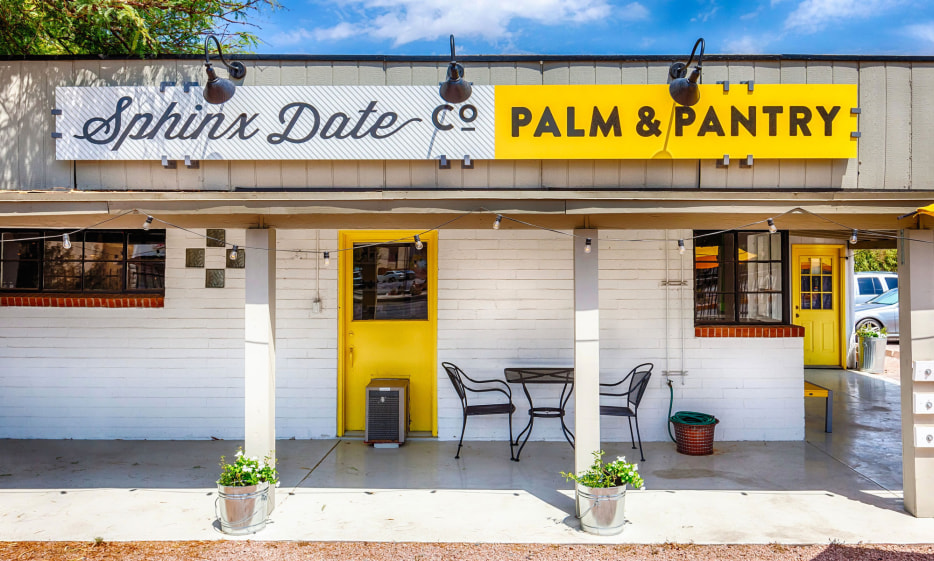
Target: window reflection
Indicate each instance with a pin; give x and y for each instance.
(390, 281)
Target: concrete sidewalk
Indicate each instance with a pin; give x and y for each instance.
(747, 492)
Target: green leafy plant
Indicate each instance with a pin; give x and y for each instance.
(118, 27)
(867, 330)
(611, 474)
(247, 471)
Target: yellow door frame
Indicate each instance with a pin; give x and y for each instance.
(839, 253)
(346, 239)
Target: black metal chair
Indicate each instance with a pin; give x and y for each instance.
(458, 378)
(638, 379)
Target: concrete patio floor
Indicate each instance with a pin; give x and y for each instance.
(843, 487)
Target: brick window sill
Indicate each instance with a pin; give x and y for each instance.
(759, 331)
(83, 301)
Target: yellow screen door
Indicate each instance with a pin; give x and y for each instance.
(388, 322)
(816, 302)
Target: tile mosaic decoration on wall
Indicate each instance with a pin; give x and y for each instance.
(214, 278)
(194, 257)
(216, 237)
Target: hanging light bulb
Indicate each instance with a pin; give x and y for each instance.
(66, 241)
(418, 243)
(853, 238)
(499, 218)
(148, 222)
(234, 253)
(588, 245)
(327, 258)
(681, 247)
(772, 227)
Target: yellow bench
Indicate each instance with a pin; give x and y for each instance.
(813, 390)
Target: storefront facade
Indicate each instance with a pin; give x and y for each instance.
(181, 340)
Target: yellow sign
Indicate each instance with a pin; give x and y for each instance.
(642, 122)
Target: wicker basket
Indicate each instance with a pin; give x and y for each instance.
(694, 440)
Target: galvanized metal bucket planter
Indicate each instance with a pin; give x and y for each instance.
(602, 510)
(242, 510)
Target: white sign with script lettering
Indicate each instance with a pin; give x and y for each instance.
(273, 123)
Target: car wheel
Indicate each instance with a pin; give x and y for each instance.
(869, 322)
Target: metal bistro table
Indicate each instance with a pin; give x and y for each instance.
(543, 375)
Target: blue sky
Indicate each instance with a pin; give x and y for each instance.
(421, 27)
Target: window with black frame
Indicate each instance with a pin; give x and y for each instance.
(740, 277)
(96, 262)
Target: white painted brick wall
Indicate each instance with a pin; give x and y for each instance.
(306, 342)
(505, 298)
(521, 312)
(752, 385)
(156, 373)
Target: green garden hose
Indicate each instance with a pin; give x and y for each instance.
(685, 417)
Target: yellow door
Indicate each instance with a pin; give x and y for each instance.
(388, 320)
(816, 302)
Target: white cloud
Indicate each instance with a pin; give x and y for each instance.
(813, 15)
(922, 31)
(745, 45)
(300, 35)
(405, 21)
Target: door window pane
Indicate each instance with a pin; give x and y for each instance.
(390, 281)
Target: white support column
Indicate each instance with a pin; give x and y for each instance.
(260, 347)
(916, 342)
(586, 351)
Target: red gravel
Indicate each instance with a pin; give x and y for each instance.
(344, 551)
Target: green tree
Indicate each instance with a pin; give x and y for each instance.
(125, 27)
(875, 260)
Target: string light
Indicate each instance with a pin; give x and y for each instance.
(587, 245)
(772, 227)
(66, 241)
(234, 253)
(418, 243)
(499, 218)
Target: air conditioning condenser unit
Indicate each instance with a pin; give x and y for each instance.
(387, 411)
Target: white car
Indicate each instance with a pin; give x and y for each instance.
(868, 285)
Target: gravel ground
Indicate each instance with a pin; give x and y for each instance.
(344, 551)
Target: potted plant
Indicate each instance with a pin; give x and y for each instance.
(601, 494)
(243, 493)
(870, 351)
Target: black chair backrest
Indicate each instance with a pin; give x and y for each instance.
(638, 384)
(454, 373)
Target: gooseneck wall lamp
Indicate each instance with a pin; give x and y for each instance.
(219, 90)
(454, 89)
(684, 90)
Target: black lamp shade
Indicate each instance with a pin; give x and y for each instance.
(217, 90)
(684, 91)
(455, 89)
